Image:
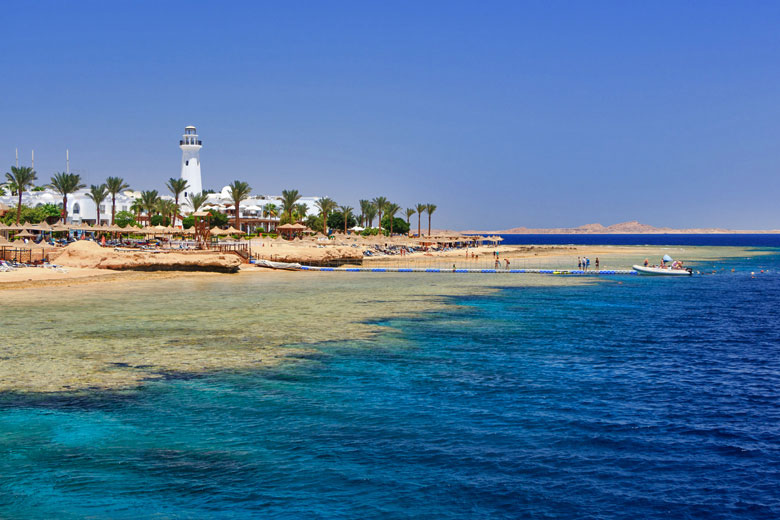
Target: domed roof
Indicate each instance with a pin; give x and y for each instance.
(189, 128)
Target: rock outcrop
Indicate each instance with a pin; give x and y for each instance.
(91, 255)
(311, 255)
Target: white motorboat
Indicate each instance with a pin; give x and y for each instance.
(663, 271)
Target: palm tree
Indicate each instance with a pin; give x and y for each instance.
(238, 191)
(136, 207)
(390, 211)
(420, 208)
(300, 211)
(370, 214)
(380, 203)
(289, 198)
(20, 177)
(364, 204)
(409, 212)
(197, 200)
(177, 187)
(167, 208)
(325, 205)
(430, 208)
(98, 194)
(271, 210)
(346, 211)
(148, 202)
(115, 185)
(65, 184)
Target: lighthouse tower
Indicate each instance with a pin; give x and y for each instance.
(190, 160)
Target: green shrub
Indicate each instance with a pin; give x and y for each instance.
(125, 218)
(218, 219)
(399, 225)
(159, 220)
(188, 222)
(336, 221)
(32, 215)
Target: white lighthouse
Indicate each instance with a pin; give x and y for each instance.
(190, 160)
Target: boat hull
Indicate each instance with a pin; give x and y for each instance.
(278, 265)
(661, 271)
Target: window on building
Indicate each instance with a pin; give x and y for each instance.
(76, 208)
(187, 163)
(102, 208)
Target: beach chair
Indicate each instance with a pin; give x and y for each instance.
(57, 268)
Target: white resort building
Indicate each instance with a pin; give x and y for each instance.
(258, 212)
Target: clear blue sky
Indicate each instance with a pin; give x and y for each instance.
(502, 113)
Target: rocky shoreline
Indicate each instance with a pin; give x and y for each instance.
(87, 254)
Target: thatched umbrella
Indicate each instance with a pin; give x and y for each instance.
(59, 227)
(24, 234)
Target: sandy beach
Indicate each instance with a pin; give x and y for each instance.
(95, 264)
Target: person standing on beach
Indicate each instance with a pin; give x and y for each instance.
(587, 263)
(597, 263)
(507, 263)
(579, 263)
(498, 264)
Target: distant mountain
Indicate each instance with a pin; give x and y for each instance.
(631, 228)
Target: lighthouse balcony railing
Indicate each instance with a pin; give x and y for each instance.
(193, 142)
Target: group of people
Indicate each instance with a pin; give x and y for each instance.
(583, 263)
(498, 261)
(675, 264)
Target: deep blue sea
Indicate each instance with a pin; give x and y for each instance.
(739, 240)
(626, 398)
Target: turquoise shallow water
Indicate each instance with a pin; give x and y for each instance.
(630, 398)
